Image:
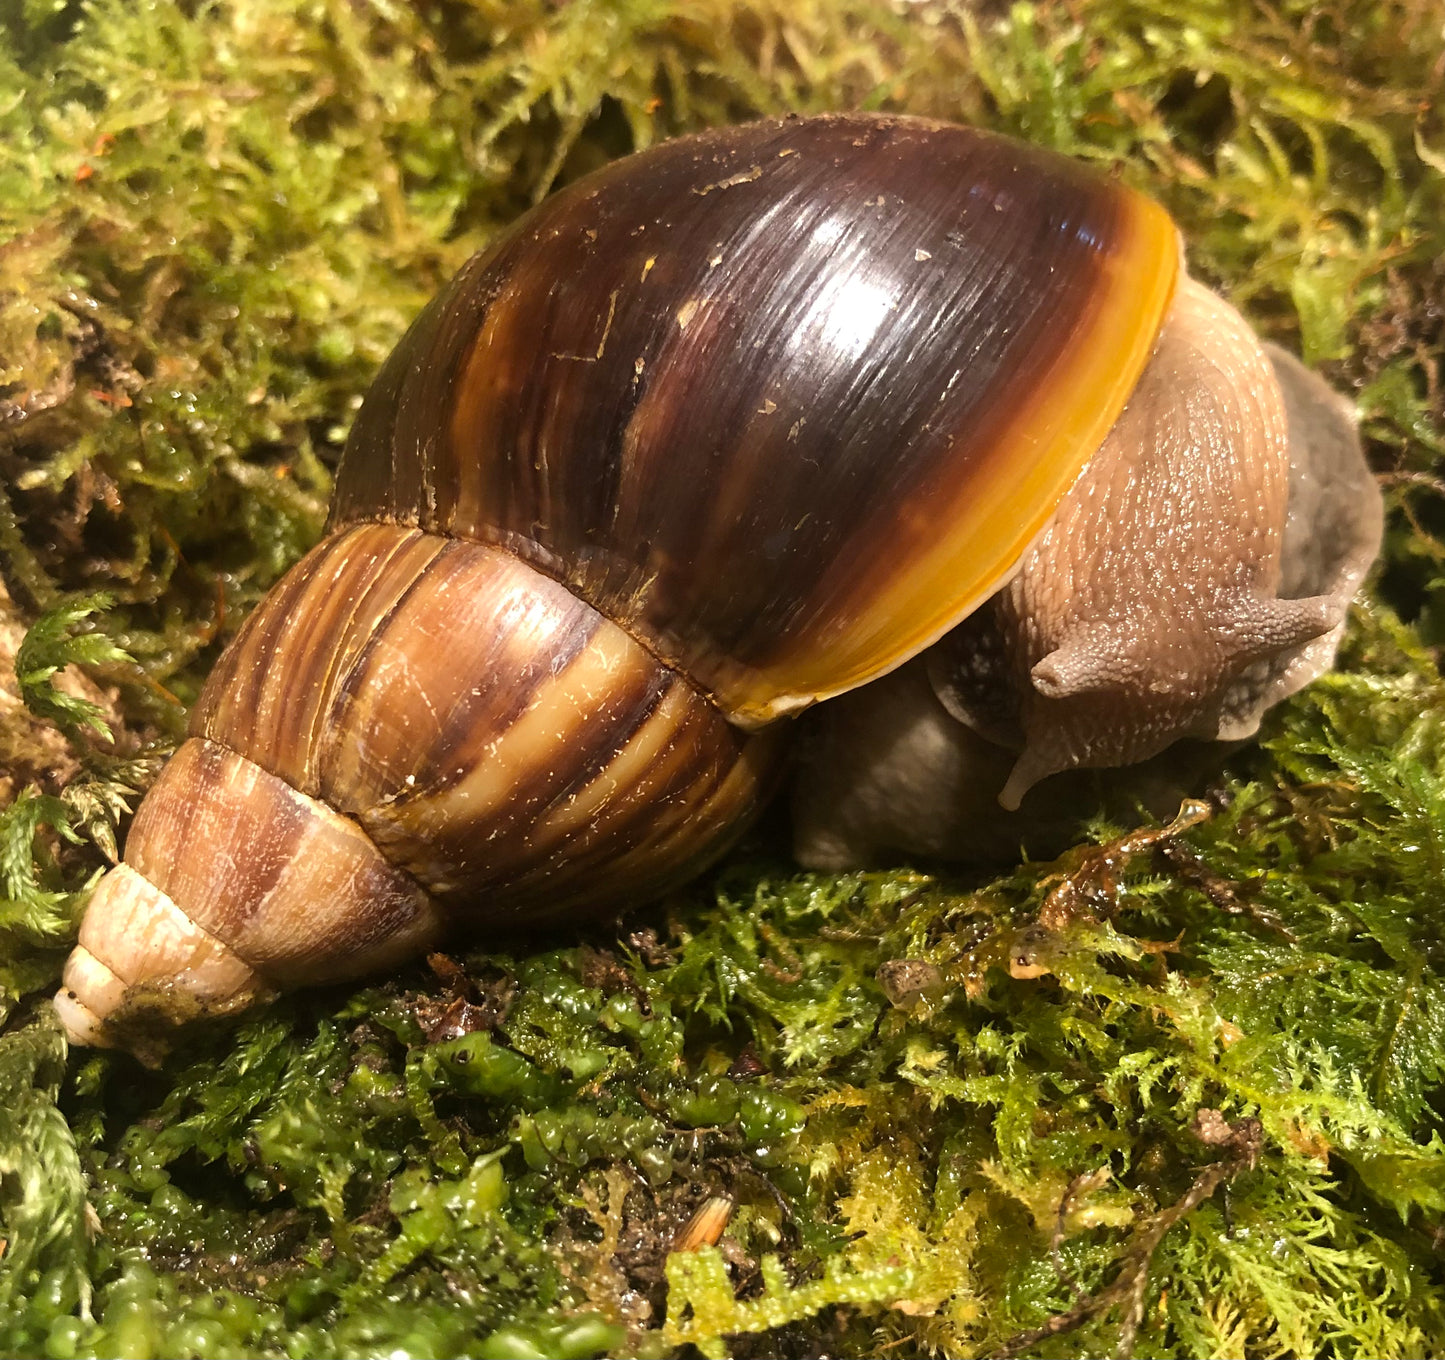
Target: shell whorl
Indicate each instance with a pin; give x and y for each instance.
(455, 736)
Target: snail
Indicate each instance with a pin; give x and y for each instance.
(853, 405)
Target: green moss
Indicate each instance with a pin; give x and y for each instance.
(1177, 1093)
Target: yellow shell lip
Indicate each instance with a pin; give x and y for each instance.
(987, 520)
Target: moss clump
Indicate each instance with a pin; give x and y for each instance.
(1179, 1093)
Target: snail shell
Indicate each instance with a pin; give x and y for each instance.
(727, 428)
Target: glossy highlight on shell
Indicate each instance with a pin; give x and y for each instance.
(728, 428)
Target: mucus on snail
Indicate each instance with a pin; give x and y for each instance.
(857, 406)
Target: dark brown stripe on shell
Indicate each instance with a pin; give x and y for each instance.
(295, 889)
(518, 852)
(679, 841)
(447, 674)
(544, 790)
(271, 695)
(483, 842)
(643, 817)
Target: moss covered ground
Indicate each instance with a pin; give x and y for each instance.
(1179, 1093)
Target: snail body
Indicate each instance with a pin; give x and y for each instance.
(1120, 634)
(728, 428)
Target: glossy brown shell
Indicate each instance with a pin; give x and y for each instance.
(785, 400)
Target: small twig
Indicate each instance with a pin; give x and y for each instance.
(792, 971)
(1056, 1238)
(1096, 877)
(1222, 893)
(1130, 1286)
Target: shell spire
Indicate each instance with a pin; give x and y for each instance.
(462, 743)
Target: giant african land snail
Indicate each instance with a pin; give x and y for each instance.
(732, 426)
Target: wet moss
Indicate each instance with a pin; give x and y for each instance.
(1178, 1092)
